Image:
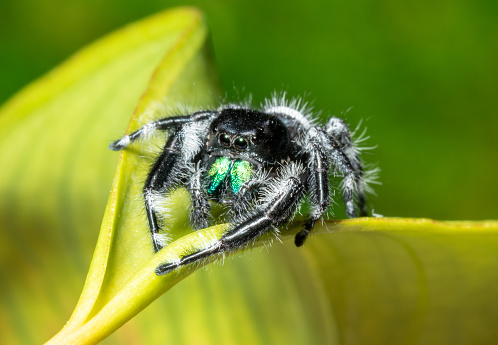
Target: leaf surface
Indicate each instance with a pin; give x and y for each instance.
(54, 185)
(362, 281)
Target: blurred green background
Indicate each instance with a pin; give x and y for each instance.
(423, 75)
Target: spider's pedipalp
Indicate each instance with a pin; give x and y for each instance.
(200, 210)
(242, 201)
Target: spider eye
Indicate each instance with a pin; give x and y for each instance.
(272, 123)
(260, 132)
(240, 143)
(224, 140)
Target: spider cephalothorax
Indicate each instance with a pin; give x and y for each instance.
(261, 162)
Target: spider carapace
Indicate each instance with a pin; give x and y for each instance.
(240, 143)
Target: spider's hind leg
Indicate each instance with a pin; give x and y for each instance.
(342, 136)
(318, 187)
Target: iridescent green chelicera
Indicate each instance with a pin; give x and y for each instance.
(239, 171)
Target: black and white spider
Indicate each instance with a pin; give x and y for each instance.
(261, 162)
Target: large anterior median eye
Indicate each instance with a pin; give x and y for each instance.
(240, 143)
(224, 140)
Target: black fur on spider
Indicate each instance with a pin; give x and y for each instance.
(261, 162)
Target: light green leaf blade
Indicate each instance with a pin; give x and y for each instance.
(54, 138)
(366, 281)
(121, 281)
(411, 281)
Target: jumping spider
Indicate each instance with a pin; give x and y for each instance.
(260, 162)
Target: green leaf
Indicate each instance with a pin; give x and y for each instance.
(411, 281)
(364, 281)
(121, 281)
(54, 136)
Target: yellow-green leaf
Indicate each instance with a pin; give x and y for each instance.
(362, 281)
(54, 137)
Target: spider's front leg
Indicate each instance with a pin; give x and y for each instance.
(170, 169)
(281, 201)
(160, 125)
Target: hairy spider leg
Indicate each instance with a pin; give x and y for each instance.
(162, 125)
(166, 175)
(319, 189)
(169, 167)
(200, 212)
(340, 131)
(325, 149)
(333, 145)
(342, 163)
(279, 208)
